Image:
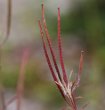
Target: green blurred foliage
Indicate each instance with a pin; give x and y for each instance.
(87, 21)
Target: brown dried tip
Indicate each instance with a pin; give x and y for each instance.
(80, 66)
(81, 62)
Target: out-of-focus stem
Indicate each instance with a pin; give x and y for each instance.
(2, 97)
(20, 84)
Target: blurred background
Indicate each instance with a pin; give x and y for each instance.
(82, 27)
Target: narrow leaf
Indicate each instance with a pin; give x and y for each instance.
(77, 81)
(80, 67)
(81, 64)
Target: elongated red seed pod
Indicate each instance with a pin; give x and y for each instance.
(60, 49)
(48, 60)
(46, 54)
(50, 44)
